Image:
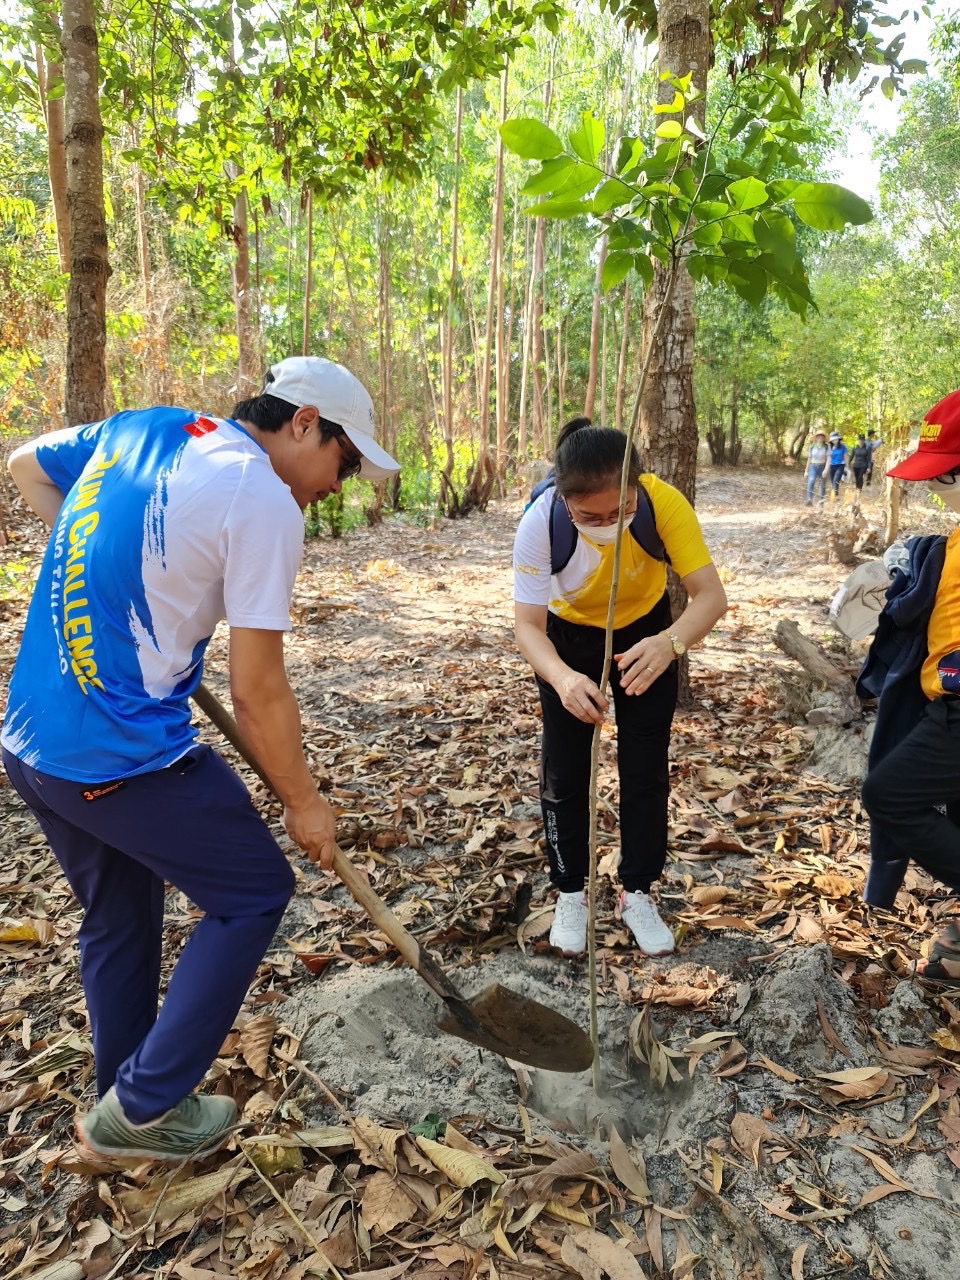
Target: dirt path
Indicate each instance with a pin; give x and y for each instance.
(788, 1100)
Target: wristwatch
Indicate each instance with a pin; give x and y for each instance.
(679, 648)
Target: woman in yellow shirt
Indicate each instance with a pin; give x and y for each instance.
(560, 619)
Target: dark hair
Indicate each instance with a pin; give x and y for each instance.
(588, 459)
(269, 413)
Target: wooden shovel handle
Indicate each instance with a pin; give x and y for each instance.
(358, 887)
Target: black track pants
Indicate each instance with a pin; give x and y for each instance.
(905, 792)
(643, 738)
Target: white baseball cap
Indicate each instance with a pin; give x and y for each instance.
(339, 397)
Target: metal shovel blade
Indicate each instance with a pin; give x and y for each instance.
(497, 1019)
(519, 1028)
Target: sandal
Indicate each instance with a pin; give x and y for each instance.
(946, 948)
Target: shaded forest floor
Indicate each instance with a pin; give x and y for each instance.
(779, 1099)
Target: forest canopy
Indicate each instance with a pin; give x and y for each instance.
(333, 180)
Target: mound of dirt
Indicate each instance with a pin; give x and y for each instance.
(740, 1140)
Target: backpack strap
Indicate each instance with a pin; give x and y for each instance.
(643, 526)
(563, 535)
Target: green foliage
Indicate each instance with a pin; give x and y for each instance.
(839, 40)
(531, 140)
(726, 217)
(432, 1126)
(827, 206)
(420, 470)
(340, 512)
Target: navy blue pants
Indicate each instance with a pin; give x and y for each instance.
(192, 824)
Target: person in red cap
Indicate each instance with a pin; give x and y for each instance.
(912, 789)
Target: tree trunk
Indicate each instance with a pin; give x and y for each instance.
(736, 444)
(546, 377)
(595, 337)
(308, 277)
(603, 368)
(86, 375)
(621, 388)
(535, 323)
(508, 315)
(494, 288)
(49, 80)
(143, 240)
(819, 666)
(248, 364)
(896, 439)
(448, 494)
(500, 341)
(291, 254)
(522, 434)
(717, 441)
(435, 405)
(892, 521)
(537, 287)
(556, 419)
(668, 424)
(385, 355)
(157, 361)
(563, 365)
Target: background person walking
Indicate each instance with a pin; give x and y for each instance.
(838, 462)
(817, 458)
(860, 462)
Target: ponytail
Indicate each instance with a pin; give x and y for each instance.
(589, 459)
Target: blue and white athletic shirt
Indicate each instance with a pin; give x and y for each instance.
(171, 522)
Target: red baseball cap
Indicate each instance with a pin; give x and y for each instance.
(939, 448)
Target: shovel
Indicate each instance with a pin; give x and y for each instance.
(497, 1018)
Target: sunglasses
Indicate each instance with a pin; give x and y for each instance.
(352, 459)
(949, 477)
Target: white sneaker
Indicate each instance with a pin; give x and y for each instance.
(639, 913)
(568, 933)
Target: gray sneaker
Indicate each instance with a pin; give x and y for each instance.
(197, 1125)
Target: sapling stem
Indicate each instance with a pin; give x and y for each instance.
(605, 677)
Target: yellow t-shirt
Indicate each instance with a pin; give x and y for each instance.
(580, 591)
(941, 670)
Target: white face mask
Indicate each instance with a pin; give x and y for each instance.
(949, 494)
(603, 535)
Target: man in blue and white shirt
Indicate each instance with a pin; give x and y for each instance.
(165, 522)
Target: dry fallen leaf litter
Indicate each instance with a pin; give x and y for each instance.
(780, 1099)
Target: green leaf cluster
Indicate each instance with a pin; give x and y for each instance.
(841, 41)
(731, 221)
